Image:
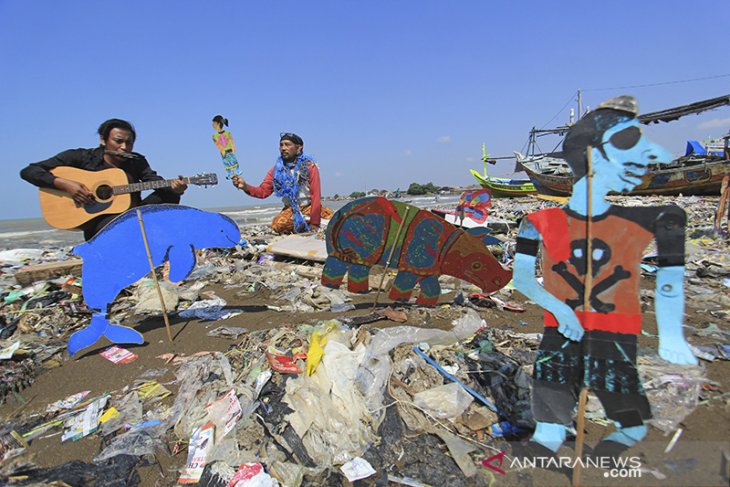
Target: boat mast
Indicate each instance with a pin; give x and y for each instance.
(580, 105)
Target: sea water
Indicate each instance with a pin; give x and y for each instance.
(35, 233)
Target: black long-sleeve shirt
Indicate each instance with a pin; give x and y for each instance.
(137, 170)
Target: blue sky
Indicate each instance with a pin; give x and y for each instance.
(384, 93)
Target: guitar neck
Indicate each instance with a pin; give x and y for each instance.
(136, 187)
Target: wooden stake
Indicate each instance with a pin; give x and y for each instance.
(580, 436)
(390, 256)
(154, 275)
(587, 287)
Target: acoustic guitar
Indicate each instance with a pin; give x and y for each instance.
(111, 190)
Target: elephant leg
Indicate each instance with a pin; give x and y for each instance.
(357, 278)
(430, 291)
(333, 273)
(403, 286)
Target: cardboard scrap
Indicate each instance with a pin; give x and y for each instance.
(119, 355)
(224, 412)
(67, 403)
(86, 422)
(201, 443)
(356, 469)
(152, 391)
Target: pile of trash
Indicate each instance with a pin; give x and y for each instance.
(319, 401)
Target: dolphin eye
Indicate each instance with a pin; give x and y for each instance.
(626, 138)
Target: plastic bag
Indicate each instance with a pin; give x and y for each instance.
(673, 390)
(444, 402)
(148, 301)
(328, 411)
(130, 411)
(137, 442)
(372, 375)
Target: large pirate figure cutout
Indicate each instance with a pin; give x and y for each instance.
(595, 347)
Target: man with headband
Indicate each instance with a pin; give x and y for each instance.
(295, 179)
(116, 140)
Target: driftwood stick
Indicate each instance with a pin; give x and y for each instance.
(587, 287)
(154, 275)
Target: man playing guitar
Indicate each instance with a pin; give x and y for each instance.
(115, 151)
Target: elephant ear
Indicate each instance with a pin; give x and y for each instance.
(182, 261)
(482, 233)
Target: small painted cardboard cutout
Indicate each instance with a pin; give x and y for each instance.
(474, 204)
(368, 231)
(223, 141)
(116, 258)
(596, 347)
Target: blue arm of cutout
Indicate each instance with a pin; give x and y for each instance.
(669, 307)
(525, 281)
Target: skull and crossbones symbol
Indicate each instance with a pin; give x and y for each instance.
(600, 256)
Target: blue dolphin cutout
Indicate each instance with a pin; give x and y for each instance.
(116, 257)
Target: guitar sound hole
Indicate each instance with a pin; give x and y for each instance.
(104, 192)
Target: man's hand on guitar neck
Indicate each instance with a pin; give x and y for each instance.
(78, 191)
(178, 185)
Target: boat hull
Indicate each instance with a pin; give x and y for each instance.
(699, 179)
(503, 190)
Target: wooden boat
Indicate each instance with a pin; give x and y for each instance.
(502, 187)
(690, 175)
(505, 188)
(698, 172)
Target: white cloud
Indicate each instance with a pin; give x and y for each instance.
(408, 152)
(444, 139)
(715, 123)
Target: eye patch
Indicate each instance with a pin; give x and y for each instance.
(626, 138)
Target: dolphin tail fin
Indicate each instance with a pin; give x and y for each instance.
(89, 335)
(123, 334)
(99, 327)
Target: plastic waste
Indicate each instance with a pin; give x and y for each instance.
(317, 341)
(16, 256)
(356, 469)
(328, 403)
(130, 411)
(229, 332)
(459, 450)
(444, 402)
(252, 475)
(373, 372)
(209, 309)
(148, 301)
(673, 390)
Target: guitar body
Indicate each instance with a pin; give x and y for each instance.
(60, 210)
